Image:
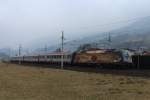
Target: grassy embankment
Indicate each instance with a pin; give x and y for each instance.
(30, 83)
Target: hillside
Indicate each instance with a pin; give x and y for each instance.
(23, 82)
(134, 36)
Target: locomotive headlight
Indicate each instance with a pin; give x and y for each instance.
(117, 60)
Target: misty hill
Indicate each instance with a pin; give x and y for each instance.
(135, 35)
(4, 53)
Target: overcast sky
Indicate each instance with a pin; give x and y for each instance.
(24, 21)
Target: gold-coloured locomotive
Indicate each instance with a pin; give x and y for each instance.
(97, 57)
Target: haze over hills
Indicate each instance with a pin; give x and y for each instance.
(134, 36)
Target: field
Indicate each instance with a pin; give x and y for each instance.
(20, 82)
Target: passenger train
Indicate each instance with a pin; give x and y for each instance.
(52, 58)
(94, 57)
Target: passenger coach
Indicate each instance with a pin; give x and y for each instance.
(52, 58)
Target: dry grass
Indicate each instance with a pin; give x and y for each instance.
(30, 83)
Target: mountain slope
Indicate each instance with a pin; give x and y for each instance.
(134, 36)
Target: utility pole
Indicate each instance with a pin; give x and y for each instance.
(62, 50)
(109, 37)
(19, 53)
(45, 52)
(109, 40)
(45, 49)
(139, 56)
(138, 66)
(9, 52)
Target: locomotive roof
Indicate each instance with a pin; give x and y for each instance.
(57, 53)
(46, 54)
(99, 50)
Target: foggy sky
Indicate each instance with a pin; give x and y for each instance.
(27, 21)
